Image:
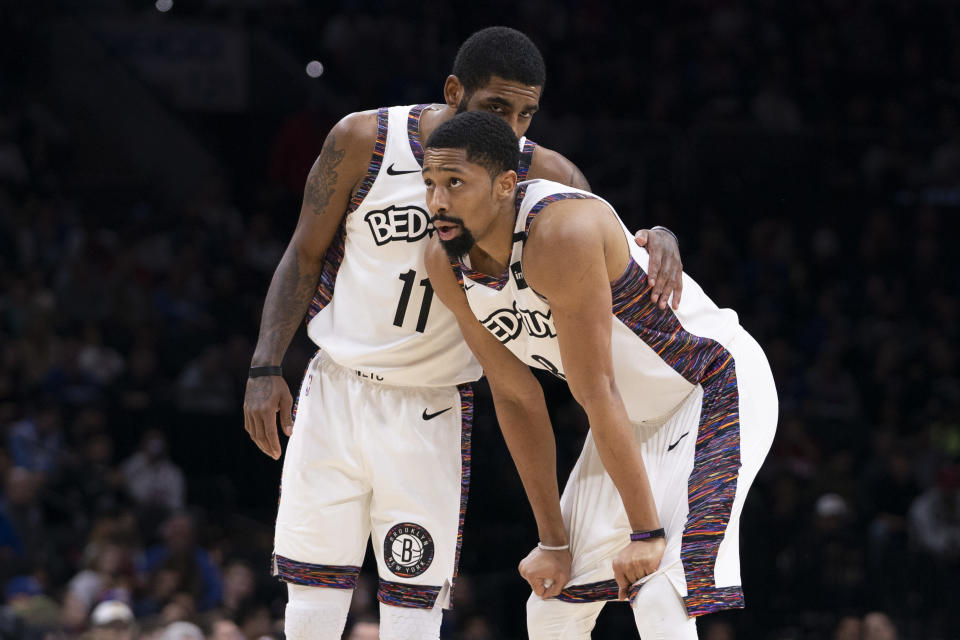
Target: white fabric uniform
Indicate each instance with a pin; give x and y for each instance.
(381, 436)
(700, 393)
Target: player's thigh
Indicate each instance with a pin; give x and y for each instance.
(553, 619)
(419, 451)
(323, 515)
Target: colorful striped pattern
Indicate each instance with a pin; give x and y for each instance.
(466, 439)
(411, 596)
(713, 481)
(413, 132)
(591, 592)
(316, 575)
(376, 161)
(493, 282)
(328, 275)
(550, 200)
(526, 157)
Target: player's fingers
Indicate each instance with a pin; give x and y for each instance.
(653, 271)
(286, 413)
(641, 237)
(623, 583)
(537, 586)
(678, 287)
(552, 588)
(270, 432)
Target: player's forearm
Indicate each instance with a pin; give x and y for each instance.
(529, 436)
(291, 289)
(621, 457)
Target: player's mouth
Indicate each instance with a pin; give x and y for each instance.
(446, 230)
(448, 227)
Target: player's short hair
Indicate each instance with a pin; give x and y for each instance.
(488, 140)
(498, 51)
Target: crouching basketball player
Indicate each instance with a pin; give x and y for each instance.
(681, 403)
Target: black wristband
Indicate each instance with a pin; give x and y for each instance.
(260, 372)
(647, 535)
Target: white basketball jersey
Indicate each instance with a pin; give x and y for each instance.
(658, 355)
(374, 310)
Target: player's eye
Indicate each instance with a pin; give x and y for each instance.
(455, 182)
(526, 114)
(427, 182)
(495, 108)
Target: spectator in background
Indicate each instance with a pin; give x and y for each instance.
(21, 522)
(183, 565)
(112, 620)
(152, 480)
(36, 441)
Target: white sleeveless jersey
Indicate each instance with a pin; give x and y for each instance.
(374, 310)
(658, 355)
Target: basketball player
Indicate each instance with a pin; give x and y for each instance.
(681, 402)
(382, 438)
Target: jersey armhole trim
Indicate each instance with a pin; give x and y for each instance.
(376, 161)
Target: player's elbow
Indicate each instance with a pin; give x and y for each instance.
(597, 394)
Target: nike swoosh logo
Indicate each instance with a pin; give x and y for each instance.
(431, 416)
(670, 448)
(467, 287)
(393, 172)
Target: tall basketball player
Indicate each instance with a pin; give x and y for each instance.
(681, 402)
(381, 442)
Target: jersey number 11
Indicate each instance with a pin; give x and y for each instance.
(408, 279)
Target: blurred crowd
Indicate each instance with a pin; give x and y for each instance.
(813, 178)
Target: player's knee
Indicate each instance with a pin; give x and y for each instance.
(660, 614)
(315, 613)
(404, 623)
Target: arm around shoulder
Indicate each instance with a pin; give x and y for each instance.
(548, 164)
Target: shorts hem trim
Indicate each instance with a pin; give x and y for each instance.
(410, 596)
(315, 575)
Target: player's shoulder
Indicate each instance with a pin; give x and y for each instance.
(357, 128)
(548, 164)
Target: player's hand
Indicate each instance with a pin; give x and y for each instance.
(264, 398)
(636, 560)
(547, 572)
(665, 268)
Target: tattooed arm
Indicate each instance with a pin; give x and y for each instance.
(335, 175)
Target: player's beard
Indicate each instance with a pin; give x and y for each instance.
(460, 244)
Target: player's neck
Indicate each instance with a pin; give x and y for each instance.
(491, 253)
(432, 117)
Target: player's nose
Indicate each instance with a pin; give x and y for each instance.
(437, 201)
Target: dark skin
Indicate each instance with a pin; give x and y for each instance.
(332, 182)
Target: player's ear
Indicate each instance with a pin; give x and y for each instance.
(505, 183)
(453, 91)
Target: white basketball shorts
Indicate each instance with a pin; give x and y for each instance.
(370, 459)
(701, 462)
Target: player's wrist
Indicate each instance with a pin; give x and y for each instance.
(264, 371)
(558, 547)
(649, 534)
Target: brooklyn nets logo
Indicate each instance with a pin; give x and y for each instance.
(408, 550)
